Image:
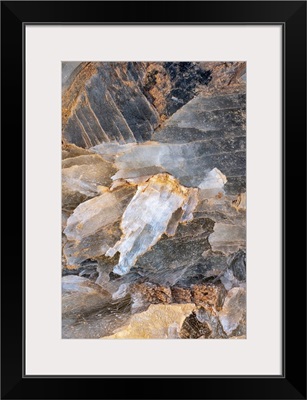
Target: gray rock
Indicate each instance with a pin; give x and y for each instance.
(81, 177)
(220, 145)
(88, 311)
(216, 126)
(237, 264)
(104, 103)
(154, 199)
(93, 227)
(67, 70)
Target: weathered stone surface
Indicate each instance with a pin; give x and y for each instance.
(225, 75)
(209, 318)
(104, 103)
(124, 101)
(208, 295)
(158, 322)
(152, 293)
(192, 328)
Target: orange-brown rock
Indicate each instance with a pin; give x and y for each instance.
(181, 295)
(158, 85)
(208, 294)
(226, 76)
(153, 294)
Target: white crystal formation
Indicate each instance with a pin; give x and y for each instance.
(213, 184)
(157, 202)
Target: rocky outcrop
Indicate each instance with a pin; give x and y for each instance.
(154, 200)
(104, 103)
(124, 102)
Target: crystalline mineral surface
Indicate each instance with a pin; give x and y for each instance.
(148, 215)
(154, 200)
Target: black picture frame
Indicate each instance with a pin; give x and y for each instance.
(292, 383)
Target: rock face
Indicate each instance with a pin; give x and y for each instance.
(104, 103)
(158, 322)
(93, 226)
(122, 102)
(88, 309)
(154, 200)
(81, 178)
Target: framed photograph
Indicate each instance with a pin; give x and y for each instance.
(163, 149)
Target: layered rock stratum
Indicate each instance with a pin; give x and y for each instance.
(154, 200)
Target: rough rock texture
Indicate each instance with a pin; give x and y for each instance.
(124, 102)
(104, 103)
(87, 309)
(225, 75)
(170, 85)
(158, 322)
(206, 133)
(154, 200)
(93, 226)
(227, 238)
(81, 178)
